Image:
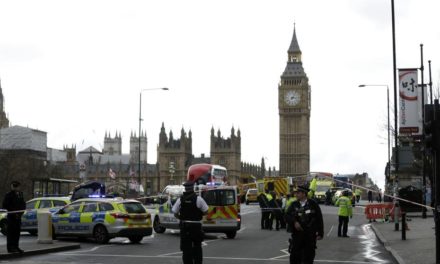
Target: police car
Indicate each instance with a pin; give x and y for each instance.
(164, 216)
(29, 218)
(102, 219)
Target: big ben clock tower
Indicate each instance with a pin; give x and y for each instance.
(294, 109)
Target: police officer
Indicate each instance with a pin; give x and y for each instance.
(264, 204)
(305, 221)
(345, 211)
(190, 208)
(275, 213)
(268, 214)
(14, 201)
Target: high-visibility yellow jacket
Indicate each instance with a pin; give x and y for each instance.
(358, 192)
(345, 208)
(289, 202)
(313, 185)
(269, 197)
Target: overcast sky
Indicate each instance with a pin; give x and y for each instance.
(75, 70)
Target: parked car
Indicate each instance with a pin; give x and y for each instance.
(29, 218)
(103, 219)
(251, 196)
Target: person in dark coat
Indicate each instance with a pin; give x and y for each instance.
(264, 205)
(305, 222)
(328, 197)
(14, 201)
(190, 209)
(275, 212)
(370, 196)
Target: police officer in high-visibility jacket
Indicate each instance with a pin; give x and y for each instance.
(345, 211)
(268, 214)
(190, 209)
(312, 188)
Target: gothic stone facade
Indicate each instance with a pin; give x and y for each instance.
(294, 110)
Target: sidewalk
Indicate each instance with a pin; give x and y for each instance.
(32, 248)
(419, 246)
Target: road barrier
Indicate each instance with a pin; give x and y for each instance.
(384, 211)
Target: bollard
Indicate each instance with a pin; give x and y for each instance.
(44, 219)
(403, 226)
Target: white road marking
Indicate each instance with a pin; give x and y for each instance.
(217, 258)
(168, 254)
(286, 254)
(90, 250)
(328, 234)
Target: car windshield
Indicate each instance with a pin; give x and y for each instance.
(134, 208)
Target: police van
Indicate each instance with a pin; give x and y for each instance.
(223, 213)
(103, 219)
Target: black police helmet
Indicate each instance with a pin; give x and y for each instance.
(189, 186)
(15, 184)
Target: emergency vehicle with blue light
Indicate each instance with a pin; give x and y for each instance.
(224, 206)
(103, 219)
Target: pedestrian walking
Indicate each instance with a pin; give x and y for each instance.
(306, 224)
(14, 201)
(370, 196)
(190, 208)
(345, 211)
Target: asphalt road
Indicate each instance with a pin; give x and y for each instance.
(252, 245)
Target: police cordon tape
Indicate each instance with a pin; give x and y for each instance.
(388, 195)
(215, 187)
(365, 188)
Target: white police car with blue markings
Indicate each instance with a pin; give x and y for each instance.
(103, 219)
(29, 221)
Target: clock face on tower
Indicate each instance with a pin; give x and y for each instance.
(292, 98)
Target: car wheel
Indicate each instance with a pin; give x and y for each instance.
(135, 239)
(231, 234)
(247, 202)
(158, 228)
(4, 227)
(100, 234)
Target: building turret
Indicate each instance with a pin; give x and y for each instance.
(227, 152)
(173, 153)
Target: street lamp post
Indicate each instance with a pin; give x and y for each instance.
(388, 111)
(140, 125)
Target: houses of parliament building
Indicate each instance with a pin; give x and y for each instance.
(174, 157)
